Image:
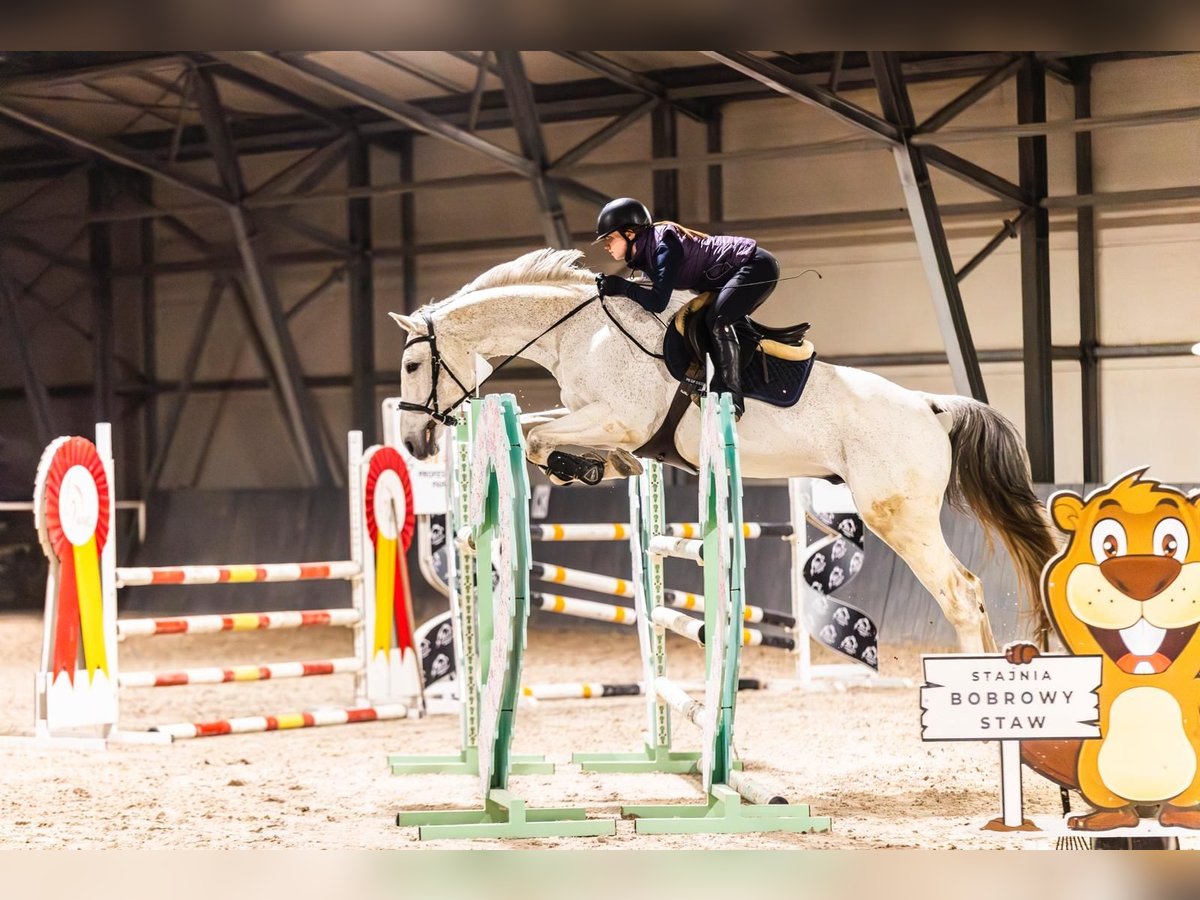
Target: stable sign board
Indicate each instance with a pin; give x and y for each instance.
(987, 698)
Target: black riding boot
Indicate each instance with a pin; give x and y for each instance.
(729, 365)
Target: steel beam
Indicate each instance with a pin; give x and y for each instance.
(263, 294)
(332, 118)
(970, 96)
(1035, 277)
(603, 136)
(582, 191)
(51, 265)
(835, 70)
(626, 77)
(467, 182)
(1089, 300)
(335, 242)
(100, 193)
(408, 229)
(865, 121)
(714, 135)
(1062, 126)
(362, 295)
(876, 217)
(149, 297)
(975, 175)
(11, 235)
(204, 322)
(564, 101)
(429, 76)
(529, 132)
(799, 88)
(1112, 199)
(407, 114)
(145, 109)
(109, 149)
(481, 74)
(336, 275)
(323, 159)
(928, 231)
(521, 373)
(664, 141)
(1008, 231)
(35, 389)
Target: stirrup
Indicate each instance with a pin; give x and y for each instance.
(570, 467)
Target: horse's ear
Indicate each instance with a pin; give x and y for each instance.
(409, 324)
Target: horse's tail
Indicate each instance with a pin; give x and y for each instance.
(990, 476)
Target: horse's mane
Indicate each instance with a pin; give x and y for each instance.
(546, 266)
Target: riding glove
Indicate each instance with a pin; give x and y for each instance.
(614, 286)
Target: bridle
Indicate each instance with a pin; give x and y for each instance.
(437, 365)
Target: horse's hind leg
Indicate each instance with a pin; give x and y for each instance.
(912, 527)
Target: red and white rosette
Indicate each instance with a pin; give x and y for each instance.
(72, 507)
(390, 525)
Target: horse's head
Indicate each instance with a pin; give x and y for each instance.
(436, 375)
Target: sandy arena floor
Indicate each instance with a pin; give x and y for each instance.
(855, 756)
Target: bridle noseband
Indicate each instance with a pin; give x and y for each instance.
(436, 364)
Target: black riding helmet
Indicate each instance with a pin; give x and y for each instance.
(622, 213)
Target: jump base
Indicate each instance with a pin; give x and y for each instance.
(652, 759)
(725, 813)
(465, 762)
(505, 816)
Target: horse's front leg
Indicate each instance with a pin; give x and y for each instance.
(594, 426)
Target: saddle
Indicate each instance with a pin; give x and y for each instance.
(775, 361)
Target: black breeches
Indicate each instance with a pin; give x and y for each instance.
(745, 291)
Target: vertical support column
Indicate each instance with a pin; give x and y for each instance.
(262, 291)
(149, 336)
(362, 294)
(927, 229)
(1035, 275)
(1089, 310)
(36, 394)
(103, 328)
(664, 143)
(523, 106)
(716, 174)
(408, 226)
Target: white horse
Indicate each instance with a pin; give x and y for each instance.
(898, 450)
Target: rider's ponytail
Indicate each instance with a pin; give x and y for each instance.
(690, 232)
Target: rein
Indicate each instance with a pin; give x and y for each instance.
(431, 407)
(624, 331)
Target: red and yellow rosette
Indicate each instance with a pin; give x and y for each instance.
(72, 504)
(390, 525)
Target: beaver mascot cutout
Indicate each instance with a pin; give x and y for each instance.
(1127, 587)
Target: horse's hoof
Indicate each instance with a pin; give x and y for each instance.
(625, 464)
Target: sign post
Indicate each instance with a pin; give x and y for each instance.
(987, 698)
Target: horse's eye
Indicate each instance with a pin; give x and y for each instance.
(411, 367)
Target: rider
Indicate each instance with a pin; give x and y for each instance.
(740, 273)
